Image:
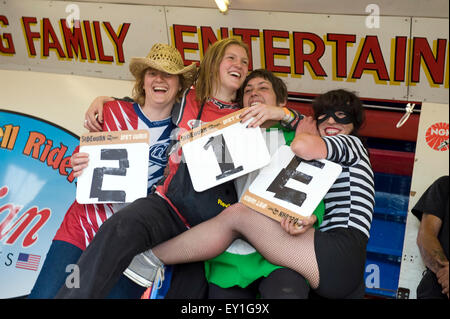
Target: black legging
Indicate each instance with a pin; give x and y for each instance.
(134, 229)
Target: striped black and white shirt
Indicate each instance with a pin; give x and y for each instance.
(351, 199)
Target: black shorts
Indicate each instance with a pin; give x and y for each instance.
(341, 258)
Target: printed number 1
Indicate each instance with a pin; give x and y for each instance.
(223, 156)
(120, 155)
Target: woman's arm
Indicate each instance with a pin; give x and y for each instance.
(268, 115)
(94, 114)
(307, 143)
(262, 114)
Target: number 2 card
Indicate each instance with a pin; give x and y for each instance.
(118, 167)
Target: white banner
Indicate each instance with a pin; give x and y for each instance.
(376, 56)
(312, 52)
(37, 36)
(429, 68)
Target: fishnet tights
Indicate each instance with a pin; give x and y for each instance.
(209, 239)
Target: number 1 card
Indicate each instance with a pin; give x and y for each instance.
(118, 167)
(222, 150)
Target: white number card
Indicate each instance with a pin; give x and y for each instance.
(290, 186)
(118, 167)
(223, 150)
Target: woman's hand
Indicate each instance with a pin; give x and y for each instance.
(307, 125)
(79, 162)
(299, 227)
(261, 113)
(307, 142)
(93, 117)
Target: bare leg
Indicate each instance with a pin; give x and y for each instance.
(212, 237)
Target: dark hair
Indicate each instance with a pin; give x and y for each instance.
(278, 85)
(341, 100)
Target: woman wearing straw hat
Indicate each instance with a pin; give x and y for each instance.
(151, 220)
(166, 212)
(161, 78)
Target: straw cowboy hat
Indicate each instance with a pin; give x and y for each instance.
(165, 58)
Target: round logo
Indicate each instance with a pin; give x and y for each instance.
(437, 136)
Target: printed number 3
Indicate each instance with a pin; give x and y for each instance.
(278, 185)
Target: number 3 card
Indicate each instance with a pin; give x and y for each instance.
(118, 167)
(223, 150)
(290, 186)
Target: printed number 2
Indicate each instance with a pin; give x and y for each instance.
(223, 156)
(120, 155)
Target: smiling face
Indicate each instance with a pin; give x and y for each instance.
(330, 126)
(338, 112)
(233, 70)
(259, 90)
(160, 88)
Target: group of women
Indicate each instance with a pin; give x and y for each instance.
(139, 238)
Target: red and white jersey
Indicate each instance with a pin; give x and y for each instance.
(82, 221)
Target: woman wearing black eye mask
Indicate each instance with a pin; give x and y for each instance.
(343, 107)
(331, 258)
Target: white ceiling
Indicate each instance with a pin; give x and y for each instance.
(416, 8)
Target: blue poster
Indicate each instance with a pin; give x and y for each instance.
(36, 189)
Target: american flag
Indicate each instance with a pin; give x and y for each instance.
(28, 261)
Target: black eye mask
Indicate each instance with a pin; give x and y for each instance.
(347, 119)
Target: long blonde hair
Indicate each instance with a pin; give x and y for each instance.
(208, 75)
